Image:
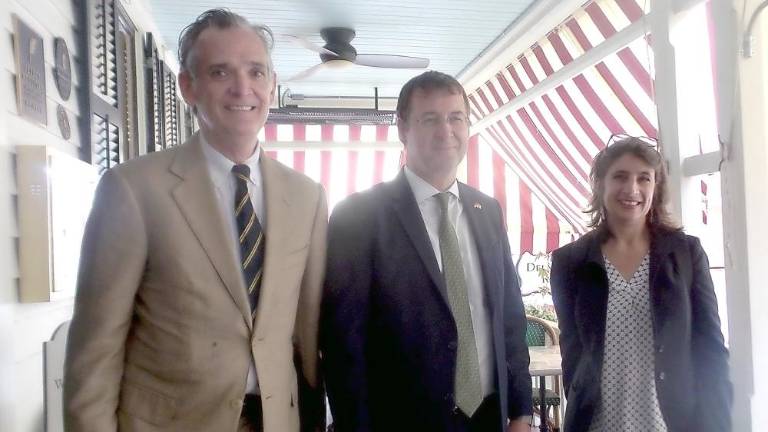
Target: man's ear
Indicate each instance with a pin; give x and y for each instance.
(274, 88)
(402, 130)
(185, 85)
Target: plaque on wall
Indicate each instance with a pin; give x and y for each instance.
(63, 120)
(62, 72)
(30, 72)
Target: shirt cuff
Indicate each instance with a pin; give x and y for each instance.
(526, 418)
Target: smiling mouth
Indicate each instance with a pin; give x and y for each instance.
(630, 203)
(240, 107)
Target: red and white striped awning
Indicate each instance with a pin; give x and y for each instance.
(550, 110)
(351, 158)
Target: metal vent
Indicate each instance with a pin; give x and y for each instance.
(331, 116)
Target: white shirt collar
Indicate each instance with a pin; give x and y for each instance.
(221, 166)
(422, 190)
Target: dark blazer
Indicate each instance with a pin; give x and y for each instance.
(691, 360)
(388, 338)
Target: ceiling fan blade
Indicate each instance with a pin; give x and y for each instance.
(306, 73)
(391, 61)
(310, 45)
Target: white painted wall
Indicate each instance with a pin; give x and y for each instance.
(24, 327)
(750, 168)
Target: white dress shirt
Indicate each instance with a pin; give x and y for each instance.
(473, 275)
(224, 183)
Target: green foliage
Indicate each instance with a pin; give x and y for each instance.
(546, 312)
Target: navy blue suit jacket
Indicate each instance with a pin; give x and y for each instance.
(691, 360)
(388, 337)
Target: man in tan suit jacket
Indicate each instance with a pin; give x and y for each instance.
(163, 336)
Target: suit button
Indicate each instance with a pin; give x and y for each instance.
(456, 410)
(661, 348)
(236, 404)
(452, 345)
(661, 376)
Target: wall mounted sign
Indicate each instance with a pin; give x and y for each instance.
(30, 72)
(62, 72)
(63, 120)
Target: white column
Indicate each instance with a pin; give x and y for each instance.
(742, 124)
(666, 99)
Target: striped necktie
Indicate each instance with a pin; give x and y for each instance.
(251, 236)
(469, 393)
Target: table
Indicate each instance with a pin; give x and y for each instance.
(545, 361)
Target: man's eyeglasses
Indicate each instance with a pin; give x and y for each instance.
(455, 120)
(653, 142)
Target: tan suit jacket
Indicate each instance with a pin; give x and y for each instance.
(161, 338)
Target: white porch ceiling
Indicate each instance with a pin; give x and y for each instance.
(451, 33)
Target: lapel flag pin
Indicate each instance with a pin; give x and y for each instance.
(478, 206)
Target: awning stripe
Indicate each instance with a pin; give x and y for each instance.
(553, 230)
(473, 178)
(530, 176)
(631, 9)
(546, 194)
(563, 151)
(528, 150)
(543, 144)
(351, 172)
(502, 80)
(298, 161)
(637, 70)
(549, 141)
(378, 167)
(499, 182)
(325, 170)
(526, 219)
(608, 30)
(560, 121)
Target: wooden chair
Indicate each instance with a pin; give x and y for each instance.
(540, 333)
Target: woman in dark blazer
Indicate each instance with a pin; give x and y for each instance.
(640, 333)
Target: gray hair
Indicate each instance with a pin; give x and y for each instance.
(220, 18)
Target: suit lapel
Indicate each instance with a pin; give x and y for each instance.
(196, 200)
(662, 270)
(593, 300)
(408, 212)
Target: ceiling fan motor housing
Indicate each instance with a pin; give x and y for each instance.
(338, 40)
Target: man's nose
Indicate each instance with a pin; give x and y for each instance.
(443, 127)
(241, 84)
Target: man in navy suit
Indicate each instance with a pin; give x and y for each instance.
(423, 327)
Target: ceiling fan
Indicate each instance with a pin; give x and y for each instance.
(338, 52)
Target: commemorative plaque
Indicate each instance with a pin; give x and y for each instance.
(30, 72)
(63, 119)
(62, 72)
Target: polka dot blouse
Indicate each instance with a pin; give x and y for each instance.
(628, 387)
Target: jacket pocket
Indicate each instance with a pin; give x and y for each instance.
(149, 405)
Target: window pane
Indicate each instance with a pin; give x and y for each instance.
(705, 221)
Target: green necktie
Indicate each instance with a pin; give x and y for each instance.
(469, 393)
